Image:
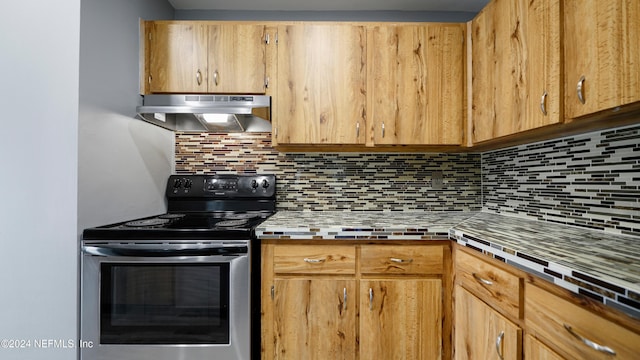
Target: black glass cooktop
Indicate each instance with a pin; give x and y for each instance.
(198, 225)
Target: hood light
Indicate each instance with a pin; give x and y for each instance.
(216, 118)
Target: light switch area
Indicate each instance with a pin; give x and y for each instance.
(436, 180)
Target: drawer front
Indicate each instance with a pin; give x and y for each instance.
(402, 259)
(314, 259)
(569, 328)
(500, 289)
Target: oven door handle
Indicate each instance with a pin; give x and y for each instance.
(135, 251)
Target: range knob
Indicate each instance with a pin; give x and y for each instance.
(177, 183)
(254, 184)
(188, 183)
(265, 183)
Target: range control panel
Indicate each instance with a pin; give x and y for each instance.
(221, 186)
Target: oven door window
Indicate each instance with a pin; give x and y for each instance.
(164, 303)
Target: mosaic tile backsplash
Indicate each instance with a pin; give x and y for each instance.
(590, 180)
(339, 181)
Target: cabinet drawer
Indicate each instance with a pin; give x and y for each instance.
(314, 259)
(569, 327)
(499, 288)
(392, 259)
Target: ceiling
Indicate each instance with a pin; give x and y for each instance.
(331, 5)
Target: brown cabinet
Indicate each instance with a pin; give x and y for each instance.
(574, 331)
(315, 318)
(321, 90)
(534, 349)
(487, 308)
(601, 55)
(417, 84)
(204, 57)
(515, 68)
(481, 332)
(401, 319)
(349, 301)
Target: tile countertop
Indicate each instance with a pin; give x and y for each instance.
(603, 266)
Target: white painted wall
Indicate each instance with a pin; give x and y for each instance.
(39, 56)
(67, 130)
(123, 162)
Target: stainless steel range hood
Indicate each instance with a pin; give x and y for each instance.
(207, 113)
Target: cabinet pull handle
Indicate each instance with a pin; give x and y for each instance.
(314, 261)
(266, 82)
(215, 77)
(273, 292)
(266, 39)
(543, 102)
(382, 129)
(150, 78)
(401, 261)
(357, 130)
(344, 299)
(499, 345)
(370, 299)
(481, 280)
(199, 77)
(579, 89)
(601, 348)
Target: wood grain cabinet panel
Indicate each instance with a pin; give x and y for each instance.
(497, 287)
(389, 259)
(602, 46)
(401, 319)
(354, 307)
(481, 332)
(536, 350)
(515, 68)
(314, 259)
(204, 57)
(237, 59)
(315, 319)
(177, 57)
(570, 329)
(321, 95)
(417, 84)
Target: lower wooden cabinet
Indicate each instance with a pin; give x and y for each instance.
(315, 319)
(319, 302)
(481, 332)
(534, 349)
(401, 319)
(574, 330)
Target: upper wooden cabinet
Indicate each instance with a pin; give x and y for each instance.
(602, 55)
(321, 95)
(515, 68)
(201, 57)
(417, 84)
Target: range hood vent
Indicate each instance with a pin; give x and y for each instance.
(207, 113)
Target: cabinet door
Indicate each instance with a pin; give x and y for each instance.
(602, 44)
(417, 89)
(237, 58)
(321, 84)
(315, 319)
(515, 61)
(482, 333)
(401, 319)
(177, 57)
(535, 350)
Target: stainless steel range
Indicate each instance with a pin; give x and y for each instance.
(178, 285)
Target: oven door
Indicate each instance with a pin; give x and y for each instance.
(165, 301)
